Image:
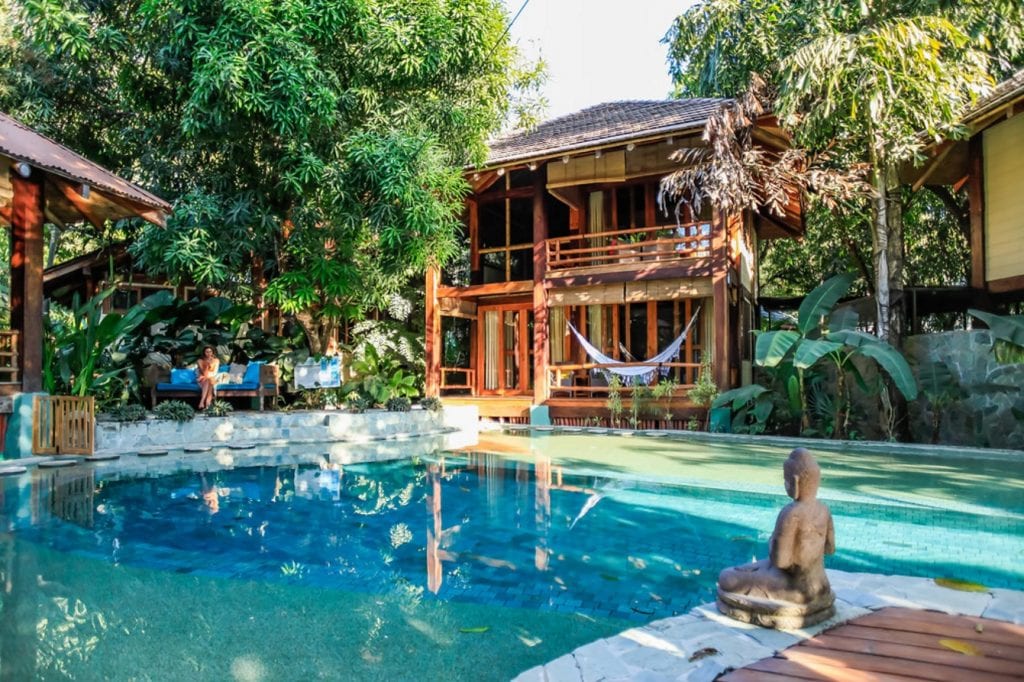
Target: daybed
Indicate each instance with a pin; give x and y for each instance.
(257, 381)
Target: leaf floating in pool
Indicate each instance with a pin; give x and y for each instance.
(962, 585)
(742, 538)
(475, 630)
(610, 577)
(965, 648)
(464, 489)
(703, 653)
(642, 611)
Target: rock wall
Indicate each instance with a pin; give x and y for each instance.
(988, 408)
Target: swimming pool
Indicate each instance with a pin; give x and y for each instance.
(471, 565)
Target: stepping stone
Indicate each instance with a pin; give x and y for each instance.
(572, 429)
(241, 446)
(152, 453)
(57, 463)
(12, 470)
(597, 430)
(544, 428)
(105, 457)
(655, 434)
(196, 448)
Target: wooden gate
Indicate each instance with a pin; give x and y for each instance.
(63, 425)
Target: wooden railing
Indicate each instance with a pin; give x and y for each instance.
(645, 244)
(468, 378)
(63, 425)
(575, 379)
(10, 369)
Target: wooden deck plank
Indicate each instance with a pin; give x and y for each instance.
(750, 675)
(817, 657)
(900, 613)
(991, 632)
(914, 654)
(827, 673)
(969, 635)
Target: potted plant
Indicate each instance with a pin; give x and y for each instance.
(705, 390)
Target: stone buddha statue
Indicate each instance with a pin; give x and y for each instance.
(789, 589)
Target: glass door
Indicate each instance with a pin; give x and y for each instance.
(507, 349)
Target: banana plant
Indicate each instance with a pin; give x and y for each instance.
(823, 333)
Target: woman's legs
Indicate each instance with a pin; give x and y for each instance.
(205, 392)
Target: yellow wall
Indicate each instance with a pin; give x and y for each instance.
(1004, 199)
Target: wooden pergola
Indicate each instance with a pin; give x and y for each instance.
(42, 181)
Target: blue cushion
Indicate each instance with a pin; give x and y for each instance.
(183, 376)
(252, 373)
(167, 386)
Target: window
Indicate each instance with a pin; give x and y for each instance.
(505, 229)
(128, 295)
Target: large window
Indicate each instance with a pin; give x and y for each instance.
(505, 229)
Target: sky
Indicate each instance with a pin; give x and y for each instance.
(597, 50)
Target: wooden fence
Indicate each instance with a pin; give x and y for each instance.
(64, 425)
(10, 370)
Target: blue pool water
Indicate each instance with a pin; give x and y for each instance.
(514, 559)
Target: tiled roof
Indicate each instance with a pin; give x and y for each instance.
(21, 142)
(1005, 92)
(600, 125)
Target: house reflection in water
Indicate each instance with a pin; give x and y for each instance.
(532, 486)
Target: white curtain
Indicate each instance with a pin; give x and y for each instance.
(595, 214)
(491, 350)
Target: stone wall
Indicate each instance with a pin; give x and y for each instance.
(282, 427)
(982, 413)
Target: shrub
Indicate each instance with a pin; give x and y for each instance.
(219, 408)
(175, 410)
(128, 413)
(432, 404)
(358, 403)
(399, 403)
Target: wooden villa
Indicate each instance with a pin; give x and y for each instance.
(563, 231)
(989, 162)
(42, 182)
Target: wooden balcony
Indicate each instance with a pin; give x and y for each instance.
(576, 381)
(662, 244)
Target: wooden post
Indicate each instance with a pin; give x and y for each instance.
(432, 335)
(541, 331)
(27, 274)
(976, 206)
(720, 294)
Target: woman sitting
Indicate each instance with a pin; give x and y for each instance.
(206, 375)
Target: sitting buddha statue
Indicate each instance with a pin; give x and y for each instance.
(789, 589)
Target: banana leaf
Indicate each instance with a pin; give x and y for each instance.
(890, 359)
(811, 350)
(1008, 328)
(772, 347)
(821, 300)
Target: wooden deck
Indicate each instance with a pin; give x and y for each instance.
(900, 645)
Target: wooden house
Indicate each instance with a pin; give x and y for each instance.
(43, 181)
(563, 230)
(989, 162)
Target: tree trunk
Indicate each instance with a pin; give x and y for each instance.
(880, 248)
(894, 222)
(312, 329)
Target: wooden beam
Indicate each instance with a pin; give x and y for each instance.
(432, 336)
(27, 220)
(541, 331)
(720, 294)
(150, 215)
(81, 204)
(570, 196)
(698, 267)
(976, 207)
(1006, 285)
(940, 154)
(473, 207)
(481, 182)
(493, 289)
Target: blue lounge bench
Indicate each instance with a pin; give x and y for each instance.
(259, 381)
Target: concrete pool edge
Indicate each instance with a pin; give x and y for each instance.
(842, 446)
(680, 648)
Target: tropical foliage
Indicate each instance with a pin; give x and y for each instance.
(313, 148)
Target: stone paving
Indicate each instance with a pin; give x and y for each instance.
(702, 644)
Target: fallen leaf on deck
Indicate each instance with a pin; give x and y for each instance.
(476, 630)
(960, 646)
(703, 653)
(979, 628)
(962, 585)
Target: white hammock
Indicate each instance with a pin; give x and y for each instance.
(631, 372)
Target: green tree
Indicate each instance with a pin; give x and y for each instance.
(871, 82)
(313, 148)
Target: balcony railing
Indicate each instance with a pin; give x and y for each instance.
(645, 244)
(577, 380)
(10, 370)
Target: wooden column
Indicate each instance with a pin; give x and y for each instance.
(720, 293)
(27, 275)
(976, 206)
(541, 332)
(432, 335)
